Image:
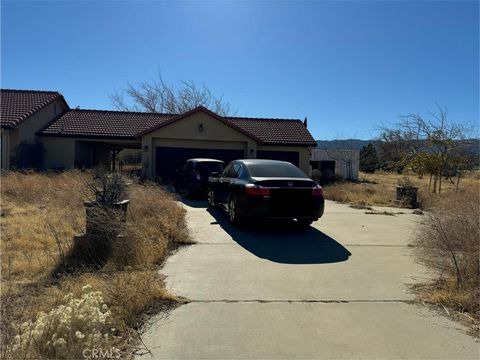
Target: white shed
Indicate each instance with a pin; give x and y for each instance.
(343, 162)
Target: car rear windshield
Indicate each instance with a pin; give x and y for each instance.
(275, 170)
(206, 168)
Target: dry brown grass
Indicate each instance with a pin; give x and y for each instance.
(379, 189)
(144, 244)
(40, 215)
(448, 242)
(33, 206)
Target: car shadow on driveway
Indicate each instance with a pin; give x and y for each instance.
(194, 201)
(283, 241)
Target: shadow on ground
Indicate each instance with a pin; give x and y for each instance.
(283, 241)
(194, 201)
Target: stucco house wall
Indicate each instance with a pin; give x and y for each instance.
(59, 152)
(5, 148)
(27, 130)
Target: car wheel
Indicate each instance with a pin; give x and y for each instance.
(233, 211)
(211, 198)
(304, 222)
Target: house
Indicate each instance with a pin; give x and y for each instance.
(86, 138)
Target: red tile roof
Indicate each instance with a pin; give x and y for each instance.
(276, 131)
(103, 123)
(119, 124)
(18, 105)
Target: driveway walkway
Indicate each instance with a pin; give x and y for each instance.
(337, 290)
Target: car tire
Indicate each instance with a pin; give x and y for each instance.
(304, 223)
(211, 198)
(233, 211)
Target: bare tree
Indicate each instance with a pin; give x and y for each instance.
(432, 146)
(159, 97)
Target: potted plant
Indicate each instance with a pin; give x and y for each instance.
(407, 192)
(110, 206)
(106, 215)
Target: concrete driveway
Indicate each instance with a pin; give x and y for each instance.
(336, 290)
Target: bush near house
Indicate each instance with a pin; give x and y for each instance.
(50, 314)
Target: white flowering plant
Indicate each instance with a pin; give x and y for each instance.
(79, 323)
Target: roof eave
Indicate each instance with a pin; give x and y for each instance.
(84, 136)
(279, 143)
(21, 119)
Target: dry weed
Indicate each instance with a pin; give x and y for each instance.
(448, 242)
(40, 214)
(380, 189)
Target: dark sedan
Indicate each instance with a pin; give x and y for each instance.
(192, 179)
(260, 189)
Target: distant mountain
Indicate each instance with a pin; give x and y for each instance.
(343, 144)
(471, 146)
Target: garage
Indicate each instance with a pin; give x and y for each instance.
(170, 159)
(200, 133)
(290, 156)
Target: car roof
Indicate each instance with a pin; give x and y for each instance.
(205, 160)
(263, 162)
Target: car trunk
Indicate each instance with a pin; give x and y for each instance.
(291, 202)
(205, 169)
(289, 197)
(284, 182)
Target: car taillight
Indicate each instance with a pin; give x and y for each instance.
(317, 191)
(251, 189)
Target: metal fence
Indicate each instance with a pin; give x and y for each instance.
(126, 167)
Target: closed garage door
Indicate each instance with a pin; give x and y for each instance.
(290, 156)
(170, 159)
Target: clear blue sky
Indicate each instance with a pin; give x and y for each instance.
(348, 66)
